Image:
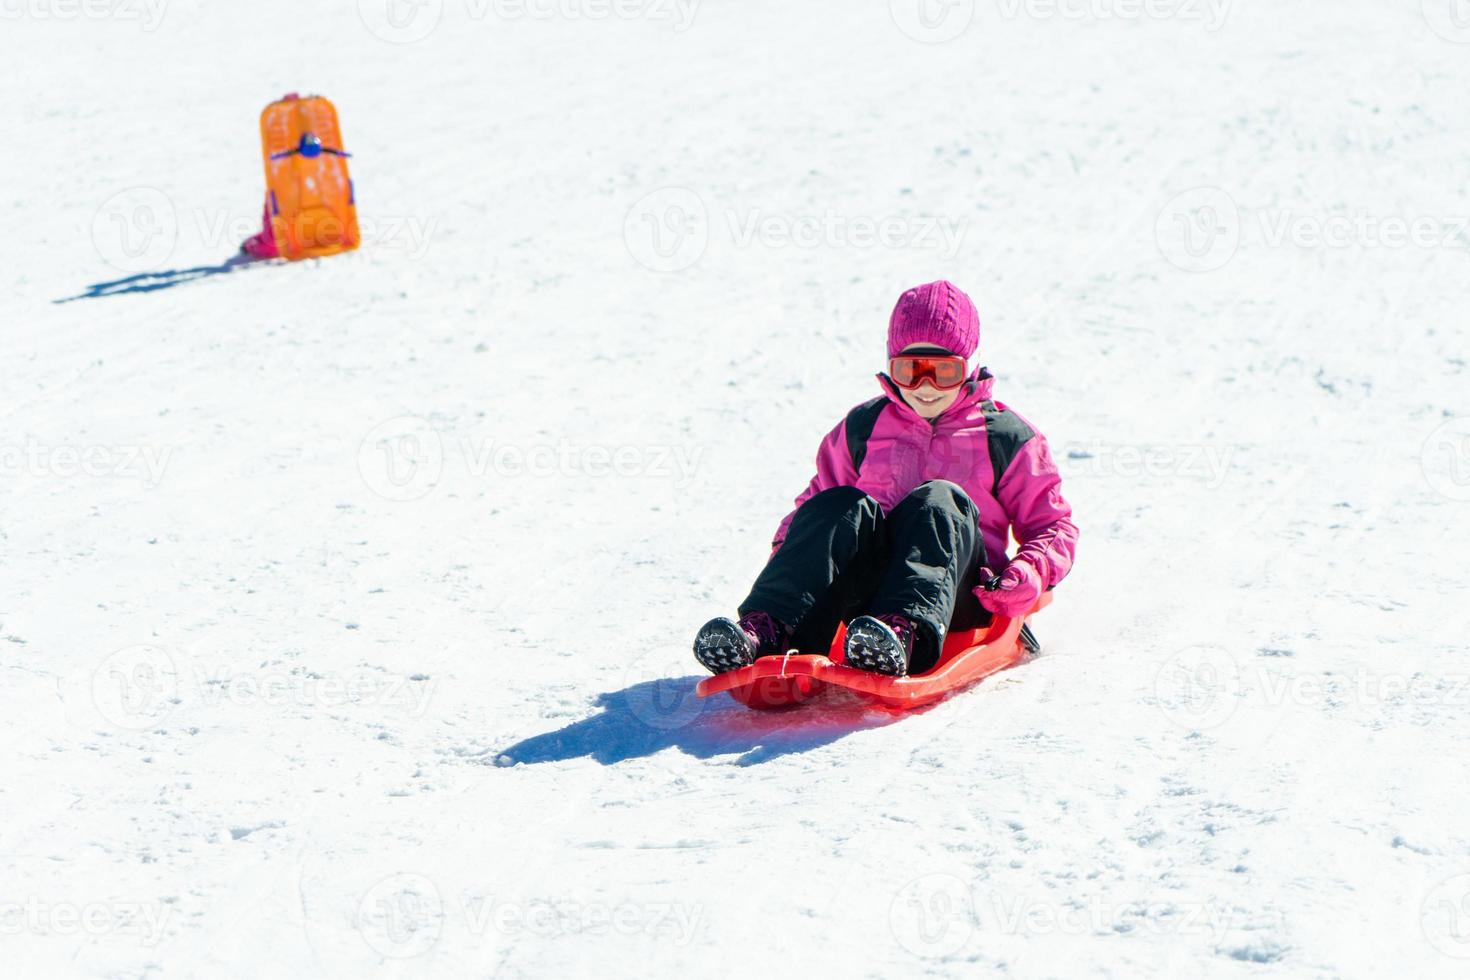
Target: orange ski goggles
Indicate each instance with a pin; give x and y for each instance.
(944, 372)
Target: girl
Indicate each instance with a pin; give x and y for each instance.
(915, 496)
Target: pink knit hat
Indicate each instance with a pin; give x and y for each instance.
(938, 313)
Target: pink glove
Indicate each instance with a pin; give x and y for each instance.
(1019, 588)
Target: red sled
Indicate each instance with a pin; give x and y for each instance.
(968, 657)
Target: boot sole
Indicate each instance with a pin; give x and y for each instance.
(871, 646)
(722, 646)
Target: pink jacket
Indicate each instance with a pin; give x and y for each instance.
(906, 450)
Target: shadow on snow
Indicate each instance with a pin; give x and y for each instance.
(149, 282)
(651, 716)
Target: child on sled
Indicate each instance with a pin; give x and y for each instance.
(916, 494)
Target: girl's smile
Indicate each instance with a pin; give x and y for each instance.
(928, 401)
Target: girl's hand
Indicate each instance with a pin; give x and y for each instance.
(1015, 592)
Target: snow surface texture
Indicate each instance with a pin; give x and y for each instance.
(346, 605)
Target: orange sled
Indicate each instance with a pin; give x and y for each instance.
(970, 656)
(310, 201)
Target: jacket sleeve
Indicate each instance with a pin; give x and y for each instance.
(834, 469)
(1041, 519)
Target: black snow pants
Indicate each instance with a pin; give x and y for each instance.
(844, 558)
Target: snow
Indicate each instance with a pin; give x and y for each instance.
(345, 606)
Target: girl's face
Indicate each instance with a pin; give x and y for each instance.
(926, 399)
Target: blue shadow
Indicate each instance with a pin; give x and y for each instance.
(149, 282)
(647, 718)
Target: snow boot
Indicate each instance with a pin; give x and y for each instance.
(724, 644)
(881, 644)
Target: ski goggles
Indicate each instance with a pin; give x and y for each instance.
(944, 372)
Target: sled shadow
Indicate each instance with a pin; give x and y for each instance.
(148, 282)
(645, 719)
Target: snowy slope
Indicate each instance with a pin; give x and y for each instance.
(345, 606)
